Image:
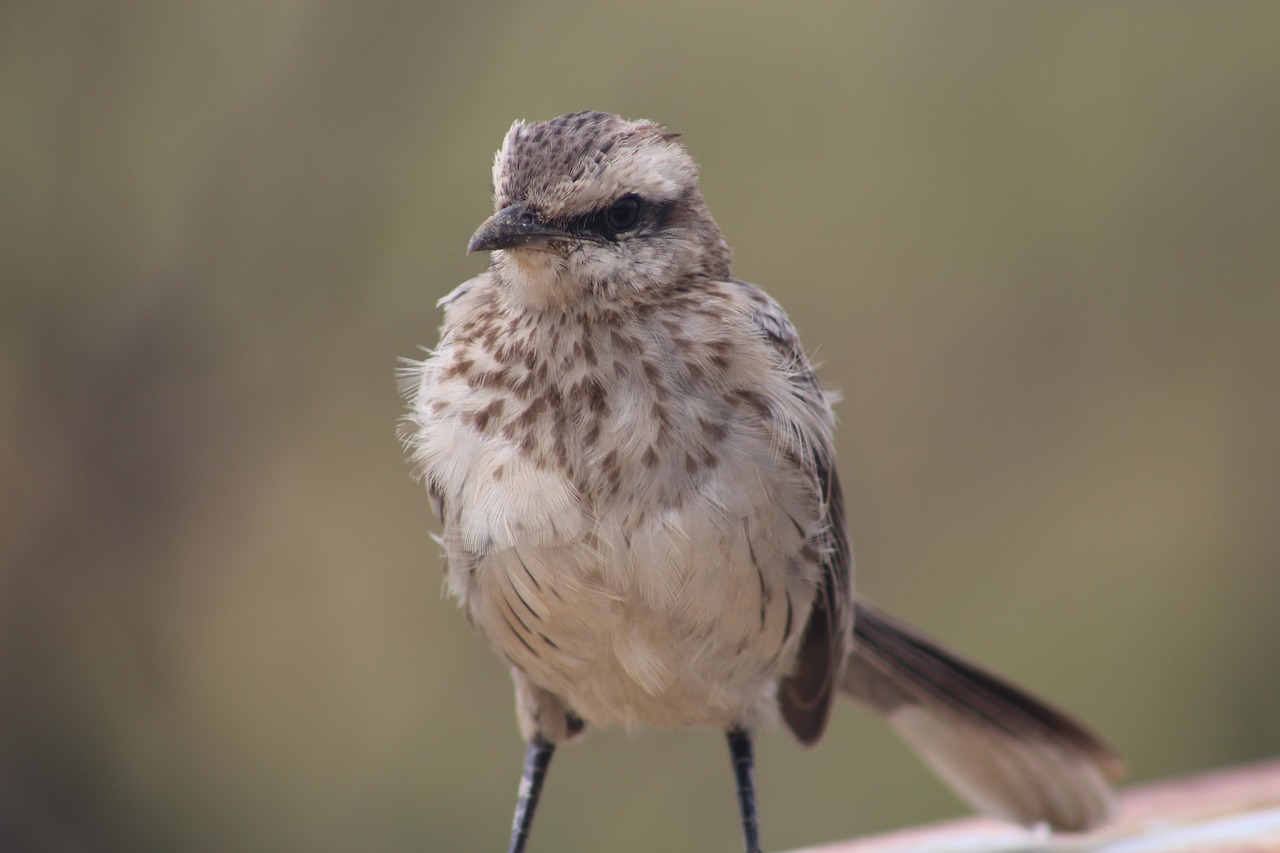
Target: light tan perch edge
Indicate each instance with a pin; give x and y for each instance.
(1228, 811)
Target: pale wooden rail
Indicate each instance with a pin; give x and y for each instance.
(1227, 811)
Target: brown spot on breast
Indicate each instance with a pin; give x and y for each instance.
(495, 379)
(659, 413)
(709, 458)
(624, 343)
(560, 415)
(610, 467)
(460, 367)
(488, 413)
(720, 347)
(597, 398)
(747, 397)
(589, 353)
(650, 458)
(531, 412)
(524, 387)
(715, 431)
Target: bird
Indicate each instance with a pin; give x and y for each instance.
(632, 461)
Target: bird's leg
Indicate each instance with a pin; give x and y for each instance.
(744, 773)
(536, 760)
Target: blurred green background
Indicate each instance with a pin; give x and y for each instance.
(1036, 246)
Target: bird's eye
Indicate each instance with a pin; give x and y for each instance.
(623, 214)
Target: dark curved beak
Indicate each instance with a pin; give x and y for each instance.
(514, 227)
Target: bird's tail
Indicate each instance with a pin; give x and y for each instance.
(1009, 754)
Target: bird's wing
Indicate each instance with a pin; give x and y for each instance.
(805, 696)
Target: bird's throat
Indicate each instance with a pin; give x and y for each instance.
(537, 278)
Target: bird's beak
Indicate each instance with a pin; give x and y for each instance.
(514, 227)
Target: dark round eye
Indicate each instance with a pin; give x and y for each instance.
(624, 214)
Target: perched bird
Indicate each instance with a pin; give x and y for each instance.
(632, 460)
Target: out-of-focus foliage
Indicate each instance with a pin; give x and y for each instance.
(1037, 247)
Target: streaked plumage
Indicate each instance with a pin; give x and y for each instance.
(633, 462)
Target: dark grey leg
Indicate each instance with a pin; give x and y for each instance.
(744, 774)
(536, 759)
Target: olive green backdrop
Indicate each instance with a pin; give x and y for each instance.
(1036, 246)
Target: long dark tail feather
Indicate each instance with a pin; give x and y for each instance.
(1007, 753)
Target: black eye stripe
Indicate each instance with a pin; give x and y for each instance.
(650, 217)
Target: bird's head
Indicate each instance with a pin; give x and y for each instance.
(590, 205)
